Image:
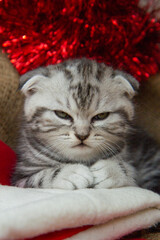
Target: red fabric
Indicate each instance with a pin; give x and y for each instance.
(7, 162)
(60, 235)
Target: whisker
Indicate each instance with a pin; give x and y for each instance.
(114, 144)
(109, 147)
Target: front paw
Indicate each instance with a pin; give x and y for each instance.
(112, 174)
(73, 176)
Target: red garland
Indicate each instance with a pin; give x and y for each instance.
(42, 32)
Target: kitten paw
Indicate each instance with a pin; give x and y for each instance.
(72, 177)
(112, 174)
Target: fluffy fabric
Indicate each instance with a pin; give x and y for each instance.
(27, 213)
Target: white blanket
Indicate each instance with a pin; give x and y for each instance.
(25, 213)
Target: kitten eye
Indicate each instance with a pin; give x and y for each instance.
(63, 115)
(100, 116)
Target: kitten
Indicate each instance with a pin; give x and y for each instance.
(76, 130)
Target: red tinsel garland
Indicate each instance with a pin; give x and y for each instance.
(42, 32)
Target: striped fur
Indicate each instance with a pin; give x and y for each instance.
(76, 124)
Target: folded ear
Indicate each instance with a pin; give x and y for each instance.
(128, 84)
(30, 81)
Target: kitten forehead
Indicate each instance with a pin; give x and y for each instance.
(80, 80)
(84, 69)
(84, 78)
(77, 85)
(83, 95)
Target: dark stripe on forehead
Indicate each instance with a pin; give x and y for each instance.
(85, 68)
(101, 67)
(68, 75)
(83, 94)
(68, 104)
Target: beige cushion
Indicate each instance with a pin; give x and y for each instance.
(148, 106)
(10, 100)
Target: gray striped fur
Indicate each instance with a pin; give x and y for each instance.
(82, 150)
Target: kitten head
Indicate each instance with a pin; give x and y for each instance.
(79, 109)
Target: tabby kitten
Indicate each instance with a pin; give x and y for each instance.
(76, 129)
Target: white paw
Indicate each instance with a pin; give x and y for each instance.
(73, 176)
(110, 174)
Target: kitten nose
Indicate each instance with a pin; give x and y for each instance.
(82, 137)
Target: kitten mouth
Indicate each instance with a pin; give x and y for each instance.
(82, 145)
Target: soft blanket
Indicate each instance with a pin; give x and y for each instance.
(25, 213)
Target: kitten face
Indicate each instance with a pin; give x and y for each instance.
(78, 109)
